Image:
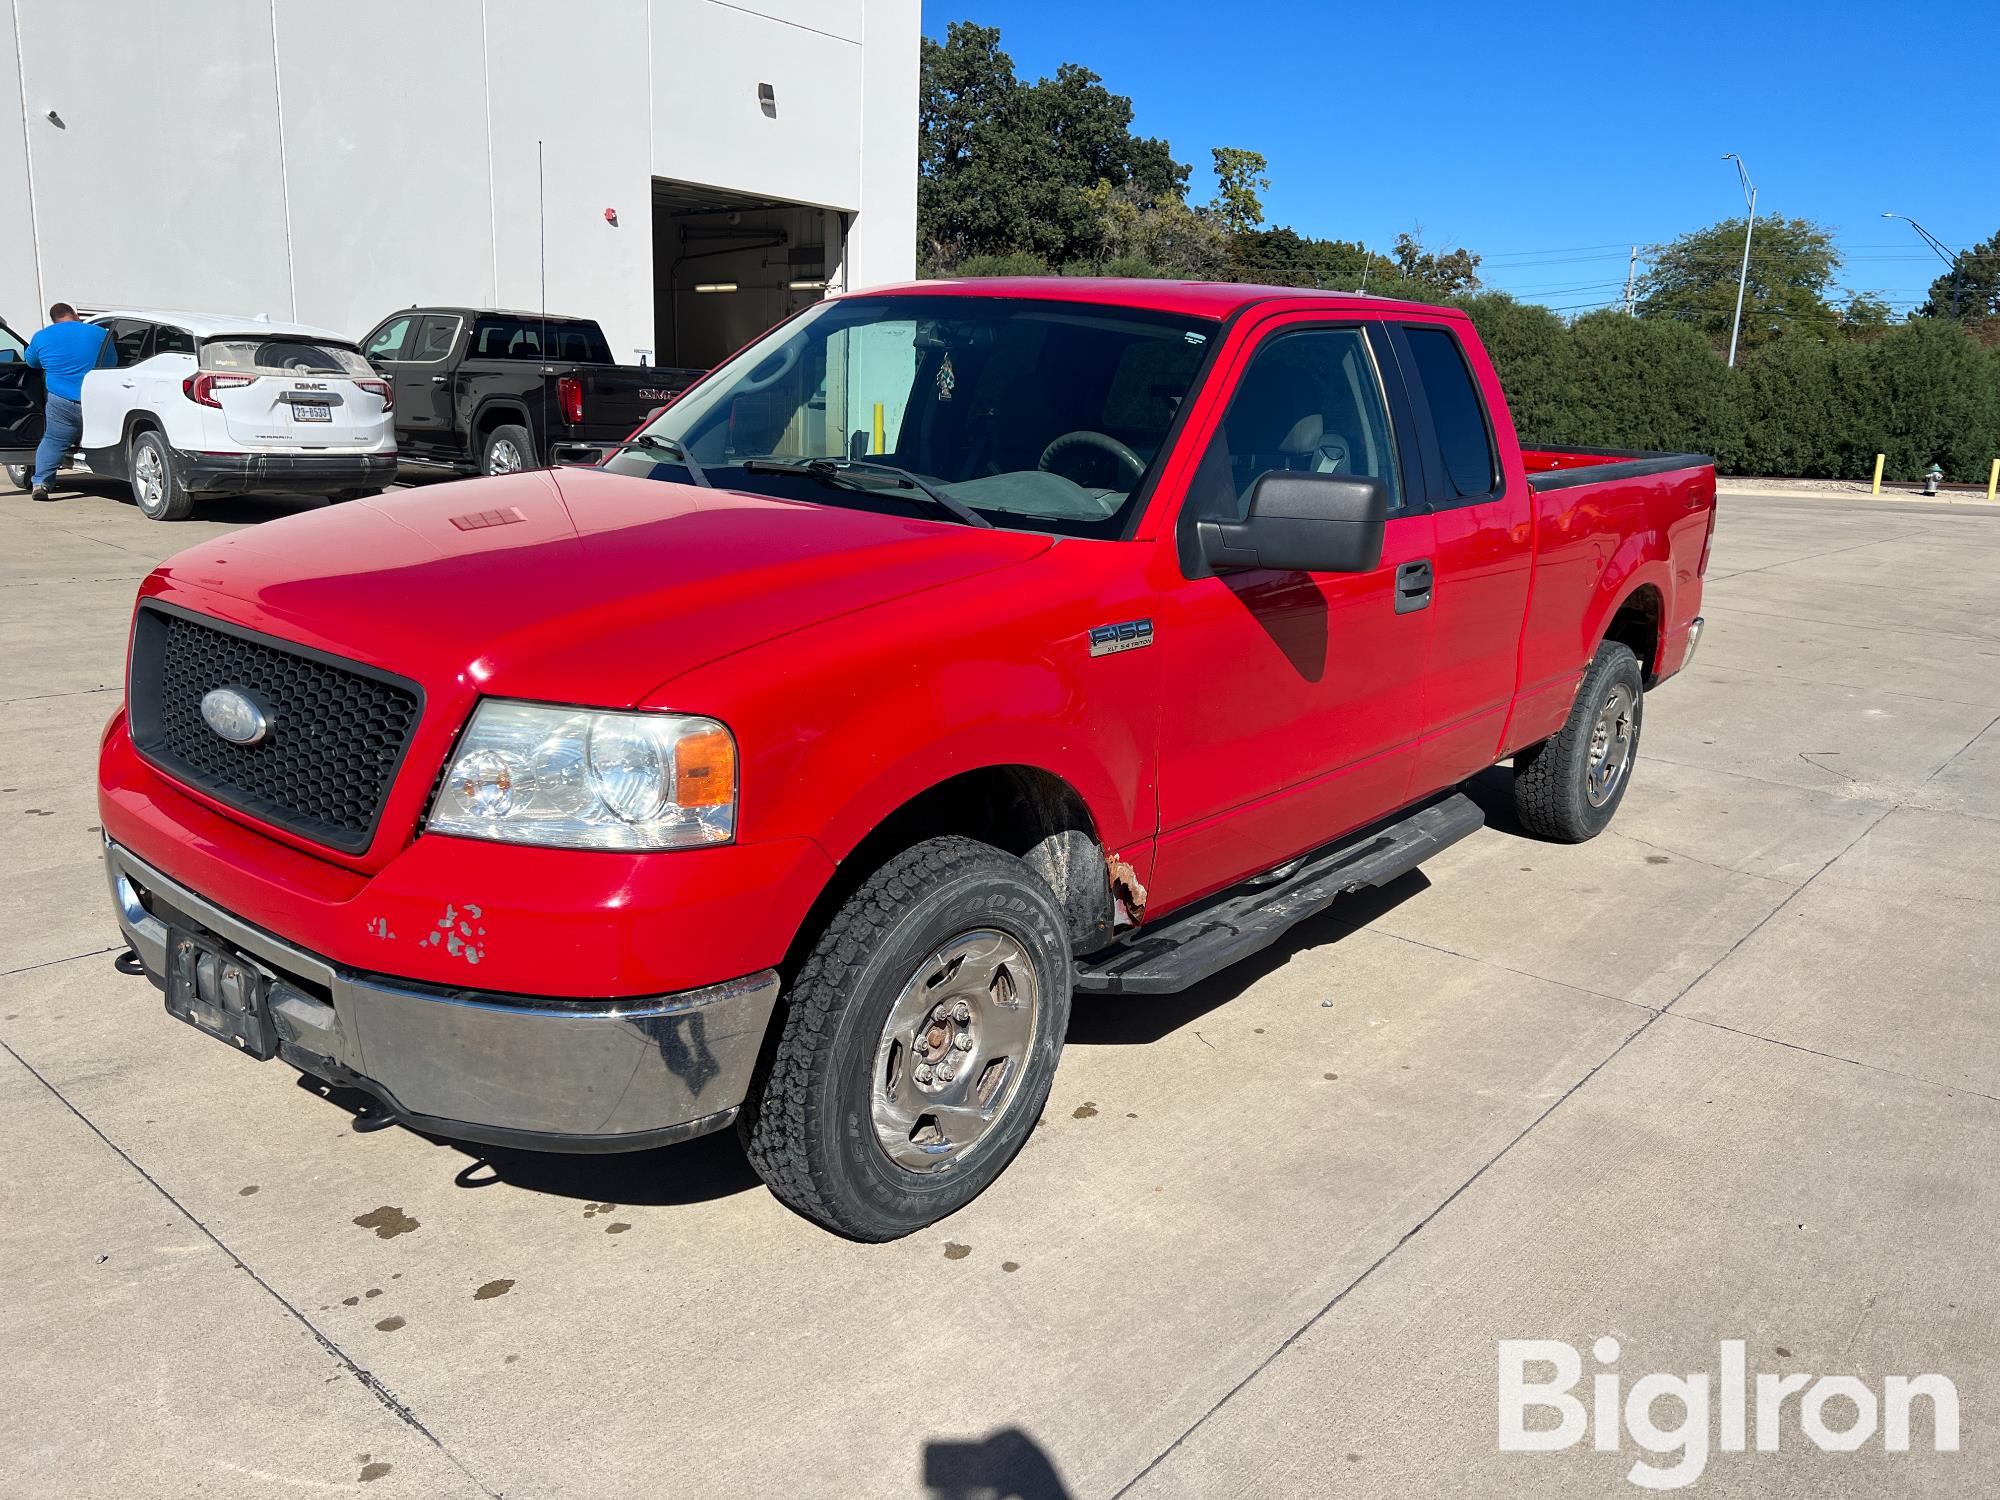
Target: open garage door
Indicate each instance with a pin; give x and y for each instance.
(726, 266)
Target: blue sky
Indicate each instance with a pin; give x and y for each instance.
(1551, 137)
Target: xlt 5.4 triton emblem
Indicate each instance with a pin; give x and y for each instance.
(1126, 635)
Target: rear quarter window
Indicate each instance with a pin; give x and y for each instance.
(1465, 441)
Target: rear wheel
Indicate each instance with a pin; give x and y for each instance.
(918, 1043)
(508, 450)
(1568, 787)
(19, 475)
(158, 492)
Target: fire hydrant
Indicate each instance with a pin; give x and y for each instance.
(1931, 477)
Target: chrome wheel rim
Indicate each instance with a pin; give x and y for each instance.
(504, 458)
(1610, 746)
(149, 477)
(954, 1051)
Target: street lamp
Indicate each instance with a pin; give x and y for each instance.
(1949, 257)
(1750, 225)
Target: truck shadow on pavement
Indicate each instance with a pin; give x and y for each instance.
(697, 1171)
(1137, 1020)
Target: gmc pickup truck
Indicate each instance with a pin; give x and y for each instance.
(954, 650)
(485, 392)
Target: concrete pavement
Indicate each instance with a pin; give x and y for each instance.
(1731, 1071)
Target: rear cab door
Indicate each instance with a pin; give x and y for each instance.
(112, 391)
(22, 400)
(1294, 701)
(1483, 511)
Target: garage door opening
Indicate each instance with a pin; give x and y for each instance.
(727, 266)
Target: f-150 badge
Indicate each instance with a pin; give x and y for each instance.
(1126, 635)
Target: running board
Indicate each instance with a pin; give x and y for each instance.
(1187, 948)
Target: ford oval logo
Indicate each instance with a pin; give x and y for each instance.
(235, 715)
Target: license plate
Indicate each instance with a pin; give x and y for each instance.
(217, 990)
(311, 411)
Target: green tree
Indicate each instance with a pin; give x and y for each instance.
(1970, 291)
(1447, 273)
(1536, 357)
(1160, 237)
(1005, 166)
(1865, 316)
(1693, 281)
(1239, 177)
(1284, 257)
(1653, 383)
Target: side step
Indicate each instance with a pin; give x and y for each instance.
(1188, 947)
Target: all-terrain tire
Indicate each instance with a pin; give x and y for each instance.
(808, 1126)
(1554, 794)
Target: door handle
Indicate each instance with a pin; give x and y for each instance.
(1413, 586)
(128, 384)
(437, 380)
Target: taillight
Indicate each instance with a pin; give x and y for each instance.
(201, 386)
(380, 388)
(569, 396)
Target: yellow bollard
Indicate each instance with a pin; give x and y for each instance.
(878, 429)
(1879, 459)
(1993, 479)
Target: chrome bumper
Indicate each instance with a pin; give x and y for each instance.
(587, 1075)
(1694, 640)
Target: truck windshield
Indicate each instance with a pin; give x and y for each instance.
(1043, 416)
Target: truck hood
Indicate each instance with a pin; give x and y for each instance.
(574, 586)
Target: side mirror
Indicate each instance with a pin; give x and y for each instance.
(576, 455)
(1310, 523)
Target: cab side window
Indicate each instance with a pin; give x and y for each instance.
(172, 341)
(1309, 402)
(387, 341)
(433, 340)
(1458, 416)
(129, 338)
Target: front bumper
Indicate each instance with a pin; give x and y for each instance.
(294, 473)
(584, 1075)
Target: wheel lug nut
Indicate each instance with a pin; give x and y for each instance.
(923, 1073)
(961, 1012)
(946, 1073)
(963, 1041)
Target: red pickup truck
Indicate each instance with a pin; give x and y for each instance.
(954, 649)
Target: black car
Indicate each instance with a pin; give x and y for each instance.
(485, 392)
(20, 407)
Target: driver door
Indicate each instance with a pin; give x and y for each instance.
(1295, 700)
(22, 401)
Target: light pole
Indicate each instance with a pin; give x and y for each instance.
(1949, 257)
(1749, 227)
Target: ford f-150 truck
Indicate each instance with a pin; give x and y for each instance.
(953, 650)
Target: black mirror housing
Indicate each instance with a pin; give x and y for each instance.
(576, 455)
(1310, 523)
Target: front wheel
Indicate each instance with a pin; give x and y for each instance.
(155, 487)
(918, 1043)
(1568, 787)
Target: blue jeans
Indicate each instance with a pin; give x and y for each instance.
(62, 430)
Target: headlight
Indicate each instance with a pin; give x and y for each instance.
(531, 773)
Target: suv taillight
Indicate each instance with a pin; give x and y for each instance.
(569, 396)
(380, 388)
(201, 386)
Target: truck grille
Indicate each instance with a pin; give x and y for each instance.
(337, 729)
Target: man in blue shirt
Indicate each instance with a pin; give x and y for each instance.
(65, 352)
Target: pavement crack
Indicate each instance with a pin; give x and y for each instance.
(50, 963)
(1852, 1062)
(393, 1403)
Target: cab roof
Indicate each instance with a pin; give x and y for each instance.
(1202, 299)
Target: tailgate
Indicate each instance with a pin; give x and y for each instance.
(617, 398)
(279, 392)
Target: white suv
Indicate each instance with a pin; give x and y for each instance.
(202, 405)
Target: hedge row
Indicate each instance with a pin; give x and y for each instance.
(1922, 392)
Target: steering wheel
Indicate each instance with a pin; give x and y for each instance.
(1129, 461)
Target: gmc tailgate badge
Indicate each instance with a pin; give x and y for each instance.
(234, 714)
(1126, 635)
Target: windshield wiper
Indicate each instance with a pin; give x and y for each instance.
(647, 443)
(838, 472)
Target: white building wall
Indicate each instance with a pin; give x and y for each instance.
(332, 162)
